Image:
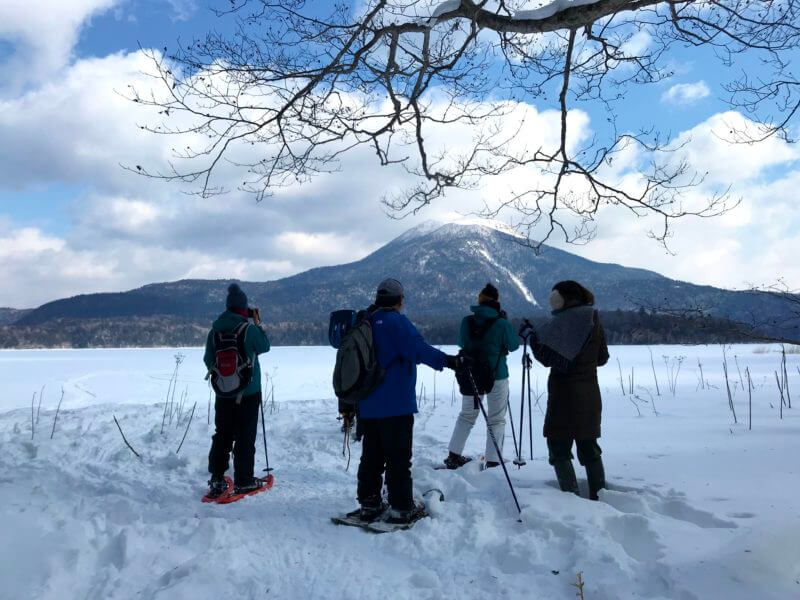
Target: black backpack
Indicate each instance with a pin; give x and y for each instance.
(232, 370)
(357, 372)
(483, 373)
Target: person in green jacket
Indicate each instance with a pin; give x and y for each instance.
(497, 341)
(236, 419)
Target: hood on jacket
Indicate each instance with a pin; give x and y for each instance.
(227, 321)
(484, 313)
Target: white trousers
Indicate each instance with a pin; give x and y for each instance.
(496, 405)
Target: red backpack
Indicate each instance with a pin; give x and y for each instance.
(233, 369)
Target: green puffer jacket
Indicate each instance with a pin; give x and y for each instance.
(498, 341)
(255, 343)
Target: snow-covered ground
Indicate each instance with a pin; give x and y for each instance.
(698, 507)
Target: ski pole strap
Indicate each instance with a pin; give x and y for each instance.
(346, 445)
(441, 494)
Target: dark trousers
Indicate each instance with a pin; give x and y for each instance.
(236, 428)
(588, 450)
(386, 445)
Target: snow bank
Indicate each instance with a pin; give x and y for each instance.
(548, 10)
(697, 507)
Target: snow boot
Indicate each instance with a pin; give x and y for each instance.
(371, 509)
(406, 517)
(454, 461)
(596, 476)
(565, 473)
(253, 485)
(216, 486)
(491, 464)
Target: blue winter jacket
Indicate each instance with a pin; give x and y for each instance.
(400, 349)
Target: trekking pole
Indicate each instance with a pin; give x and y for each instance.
(513, 432)
(525, 359)
(264, 435)
(530, 412)
(479, 402)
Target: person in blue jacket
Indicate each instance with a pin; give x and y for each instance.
(236, 420)
(387, 414)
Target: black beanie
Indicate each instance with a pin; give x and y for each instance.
(490, 292)
(236, 297)
(574, 293)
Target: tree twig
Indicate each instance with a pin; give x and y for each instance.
(191, 416)
(55, 418)
(124, 439)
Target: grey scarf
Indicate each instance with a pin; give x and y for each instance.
(567, 331)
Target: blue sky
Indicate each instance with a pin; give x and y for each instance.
(73, 221)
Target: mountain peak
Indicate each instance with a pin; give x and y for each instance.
(457, 228)
(420, 230)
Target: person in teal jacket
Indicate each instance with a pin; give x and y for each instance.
(497, 340)
(236, 419)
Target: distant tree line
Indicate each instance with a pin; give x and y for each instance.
(622, 327)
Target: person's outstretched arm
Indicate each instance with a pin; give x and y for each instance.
(208, 356)
(257, 339)
(510, 338)
(417, 350)
(602, 355)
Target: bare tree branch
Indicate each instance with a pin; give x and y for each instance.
(300, 84)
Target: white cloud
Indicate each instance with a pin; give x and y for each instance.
(27, 241)
(335, 248)
(129, 230)
(89, 127)
(637, 44)
(43, 34)
(182, 9)
(686, 93)
(708, 150)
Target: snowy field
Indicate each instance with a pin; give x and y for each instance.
(698, 507)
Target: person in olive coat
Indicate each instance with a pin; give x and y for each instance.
(572, 343)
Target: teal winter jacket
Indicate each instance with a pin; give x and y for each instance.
(498, 341)
(255, 343)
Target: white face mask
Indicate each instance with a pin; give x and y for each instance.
(556, 300)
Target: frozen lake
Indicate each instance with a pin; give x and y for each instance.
(698, 506)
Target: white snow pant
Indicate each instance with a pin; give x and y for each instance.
(495, 406)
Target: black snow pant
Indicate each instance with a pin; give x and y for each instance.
(386, 445)
(589, 455)
(588, 450)
(236, 428)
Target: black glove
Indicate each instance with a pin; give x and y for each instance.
(453, 362)
(348, 418)
(526, 330)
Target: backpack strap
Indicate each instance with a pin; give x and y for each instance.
(477, 333)
(241, 334)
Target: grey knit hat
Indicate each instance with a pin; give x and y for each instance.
(236, 297)
(390, 287)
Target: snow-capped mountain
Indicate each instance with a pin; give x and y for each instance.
(442, 266)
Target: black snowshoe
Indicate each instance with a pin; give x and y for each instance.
(255, 484)
(406, 517)
(216, 487)
(455, 461)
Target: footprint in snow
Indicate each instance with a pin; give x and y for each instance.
(633, 533)
(672, 505)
